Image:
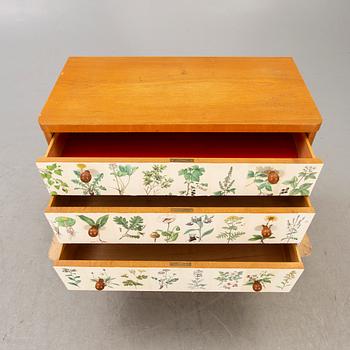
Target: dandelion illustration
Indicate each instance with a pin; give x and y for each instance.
(266, 230)
(88, 183)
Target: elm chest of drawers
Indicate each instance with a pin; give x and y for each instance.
(179, 173)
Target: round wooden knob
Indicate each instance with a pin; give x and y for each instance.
(93, 231)
(100, 284)
(273, 177)
(257, 286)
(85, 176)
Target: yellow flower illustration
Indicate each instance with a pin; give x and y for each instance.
(271, 218)
(233, 218)
(81, 166)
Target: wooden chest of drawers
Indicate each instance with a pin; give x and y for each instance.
(179, 173)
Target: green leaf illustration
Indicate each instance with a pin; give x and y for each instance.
(101, 221)
(89, 221)
(207, 232)
(255, 238)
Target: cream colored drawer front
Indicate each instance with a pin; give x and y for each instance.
(178, 279)
(191, 228)
(186, 179)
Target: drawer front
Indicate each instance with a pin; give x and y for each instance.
(200, 227)
(178, 279)
(179, 178)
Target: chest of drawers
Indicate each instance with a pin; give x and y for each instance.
(179, 173)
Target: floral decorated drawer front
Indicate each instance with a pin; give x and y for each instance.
(179, 228)
(178, 279)
(185, 179)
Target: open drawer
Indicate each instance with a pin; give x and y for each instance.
(209, 268)
(173, 219)
(186, 164)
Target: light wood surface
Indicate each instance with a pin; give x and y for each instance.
(123, 94)
(175, 204)
(305, 246)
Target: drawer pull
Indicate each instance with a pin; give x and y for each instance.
(181, 160)
(180, 264)
(181, 210)
(85, 176)
(273, 177)
(257, 286)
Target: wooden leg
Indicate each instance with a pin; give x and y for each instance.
(305, 247)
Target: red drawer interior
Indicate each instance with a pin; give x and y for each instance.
(180, 145)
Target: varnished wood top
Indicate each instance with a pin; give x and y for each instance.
(214, 94)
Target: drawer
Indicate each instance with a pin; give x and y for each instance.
(186, 164)
(207, 268)
(174, 219)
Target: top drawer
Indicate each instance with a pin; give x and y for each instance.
(186, 164)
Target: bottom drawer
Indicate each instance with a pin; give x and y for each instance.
(205, 268)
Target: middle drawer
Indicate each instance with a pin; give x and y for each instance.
(172, 219)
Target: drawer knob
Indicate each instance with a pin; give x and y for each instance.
(266, 231)
(100, 284)
(93, 231)
(273, 177)
(85, 176)
(257, 286)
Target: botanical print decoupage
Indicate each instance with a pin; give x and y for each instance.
(178, 279)
(191, 228)
(183, 179)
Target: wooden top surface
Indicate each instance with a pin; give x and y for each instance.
(119, 94)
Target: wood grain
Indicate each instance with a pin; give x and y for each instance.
(180, 94)
(305, 246)
(201, 256)
(174, 204)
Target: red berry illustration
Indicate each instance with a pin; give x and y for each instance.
(273, 177)
(100, 284)
(93, 231)
(85, 176)
(257, 286)
(266, 231)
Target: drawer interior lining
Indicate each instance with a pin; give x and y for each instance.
(181, 145)
(180, 252)
(176, 201)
